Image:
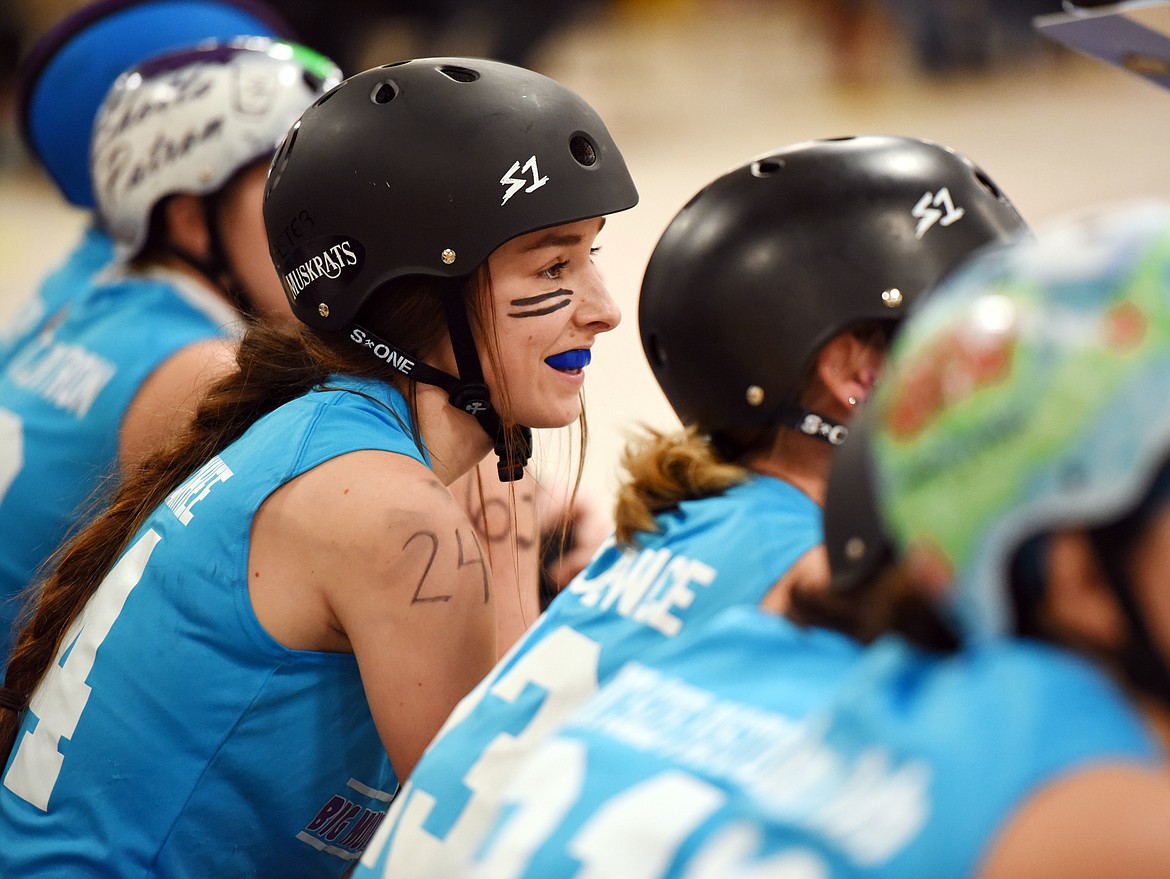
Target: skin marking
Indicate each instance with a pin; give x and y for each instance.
(493, 518)
(433, 538)
(543, 297)
(463, 563)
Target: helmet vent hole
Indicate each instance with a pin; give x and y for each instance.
(987, 184)
(325, 97)
(383, 93)
(459, 74)
(767, 167)
(655, 351)
(583, 150)
(280, 160)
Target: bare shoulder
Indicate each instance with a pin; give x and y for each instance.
(165, 403)
(1100, 823)
(386, 520)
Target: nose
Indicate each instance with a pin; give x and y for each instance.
(598, 311)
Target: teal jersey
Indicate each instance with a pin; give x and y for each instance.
(173, 737)
(709, 554)
(759, 749)
(93, 252)
(64, 390)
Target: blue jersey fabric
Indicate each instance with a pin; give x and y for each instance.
(93, 252)
(710, 554)
(758, 749)
(174, 737)
(63, 393)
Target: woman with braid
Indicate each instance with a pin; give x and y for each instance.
(229, 670)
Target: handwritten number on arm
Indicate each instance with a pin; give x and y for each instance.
(433, 538)
(418, 597)
(479, 558)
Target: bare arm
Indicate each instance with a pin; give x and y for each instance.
(1103, 823)
(166, 401)
(370, 553)
(505, 519)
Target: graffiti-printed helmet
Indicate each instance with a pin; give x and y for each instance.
(67, 72)
(187, 121)
(1028, 394)
(771, 260)
(426, 167)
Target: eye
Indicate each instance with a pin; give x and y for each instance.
(593, 251)
(553, 272)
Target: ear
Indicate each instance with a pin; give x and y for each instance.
(1077, 598)
(186, 224)
(848, 367)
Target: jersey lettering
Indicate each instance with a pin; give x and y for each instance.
(62, 695)
(563, 665)
(11, 450)
(646, 586)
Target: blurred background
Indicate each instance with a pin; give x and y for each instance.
(691, 88)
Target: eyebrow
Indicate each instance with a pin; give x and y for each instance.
(559, 239)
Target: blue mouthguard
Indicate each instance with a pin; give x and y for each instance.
(574, 359)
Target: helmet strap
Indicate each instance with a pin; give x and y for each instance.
(216, 267)
(513, 445)
(809, 423)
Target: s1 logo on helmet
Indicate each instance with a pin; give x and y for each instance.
(514, 184)
(927, 212)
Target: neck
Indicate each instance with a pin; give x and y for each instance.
(454, 439)
(799, 460)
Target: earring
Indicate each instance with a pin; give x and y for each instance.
(852, 401)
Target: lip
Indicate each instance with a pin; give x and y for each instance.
(570, 361)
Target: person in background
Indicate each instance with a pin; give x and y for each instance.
(1009, 716)
(60, 85)
(231, 667)
(179, 158)
(765, 313)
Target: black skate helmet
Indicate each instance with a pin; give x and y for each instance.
(425, 167)
(773, 259)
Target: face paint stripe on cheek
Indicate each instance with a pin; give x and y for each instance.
(543, 297)
(539, 312)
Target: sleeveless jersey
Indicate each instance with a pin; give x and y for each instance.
(94, 251)
(710, 554)
(174, 737)
(63, 394)
(761, 750)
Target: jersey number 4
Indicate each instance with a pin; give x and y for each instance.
(63, 693)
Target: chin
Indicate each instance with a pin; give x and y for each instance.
(546, 420)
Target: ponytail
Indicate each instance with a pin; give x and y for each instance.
(664, 470)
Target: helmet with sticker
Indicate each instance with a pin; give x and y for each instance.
(1023, 398)
(773, 259)
(187, 121)
(64, 77)
(424, 168)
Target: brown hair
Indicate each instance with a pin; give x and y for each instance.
(664, 470)
(275, 364)
(891, 603)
